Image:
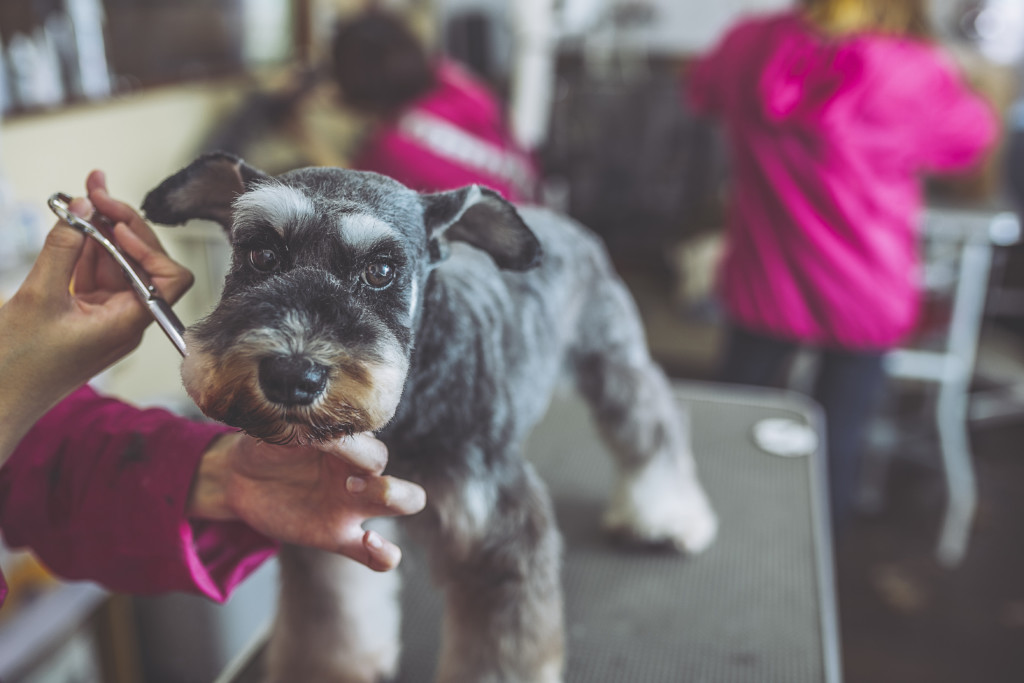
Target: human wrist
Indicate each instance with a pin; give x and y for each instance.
(22, 402)
(208, 497)
(18, 419)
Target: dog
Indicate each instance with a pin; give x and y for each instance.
(442, 322)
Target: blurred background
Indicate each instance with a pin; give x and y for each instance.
(592, 89)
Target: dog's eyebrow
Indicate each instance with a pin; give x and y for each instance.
(278, 205)
(361, 231)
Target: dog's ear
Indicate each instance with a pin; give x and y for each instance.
(205, 188)
(479, 216)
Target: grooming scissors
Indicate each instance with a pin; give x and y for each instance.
(60, 204)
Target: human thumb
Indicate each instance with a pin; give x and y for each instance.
(55, 265)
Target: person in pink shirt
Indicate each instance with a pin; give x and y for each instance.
(833, 111)
(143, 500)
(436, 127)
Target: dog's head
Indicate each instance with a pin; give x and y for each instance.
(313, 334)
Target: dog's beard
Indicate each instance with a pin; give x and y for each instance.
(247, 409)
(359, 398)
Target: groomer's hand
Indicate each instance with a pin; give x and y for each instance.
(312, 496)
(75, 314)
(97, 273)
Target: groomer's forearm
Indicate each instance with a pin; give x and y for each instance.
(21, 402)
(17, 415)
(11, 434)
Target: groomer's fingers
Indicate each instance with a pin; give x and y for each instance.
(381, 554)
(85, 270)
(366, 547)
(175, 279)
(118, 211)
(387, 496)
(363, 451)
(55, 265)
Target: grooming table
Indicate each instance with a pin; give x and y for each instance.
(758, 606)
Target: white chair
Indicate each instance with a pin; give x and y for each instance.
(958, 258)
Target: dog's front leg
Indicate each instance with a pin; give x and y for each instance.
(337, 621)
(498, 557)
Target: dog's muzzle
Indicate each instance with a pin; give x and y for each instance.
(292, 380)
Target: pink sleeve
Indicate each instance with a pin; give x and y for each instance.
(97, 490)
(705, 80)
(699, 85)
(421, 150)
(960, 125)
(391, 153)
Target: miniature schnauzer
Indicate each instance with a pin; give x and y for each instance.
(442, 322)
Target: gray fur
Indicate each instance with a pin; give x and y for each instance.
(484, 347)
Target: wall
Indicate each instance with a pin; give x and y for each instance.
(137, 140)
(693, 26)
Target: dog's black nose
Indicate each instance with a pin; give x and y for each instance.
(292, 380)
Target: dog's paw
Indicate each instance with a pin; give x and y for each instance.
(660, 506)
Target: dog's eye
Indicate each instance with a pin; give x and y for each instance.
(264, 260)
(379, 274)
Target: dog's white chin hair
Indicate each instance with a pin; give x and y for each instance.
(348, 406)
(662, 504)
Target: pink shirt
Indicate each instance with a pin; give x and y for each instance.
(453, 136)
(97, 490)
(828, 141)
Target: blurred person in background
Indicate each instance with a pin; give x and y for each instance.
(833, 111)
(434, 125)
